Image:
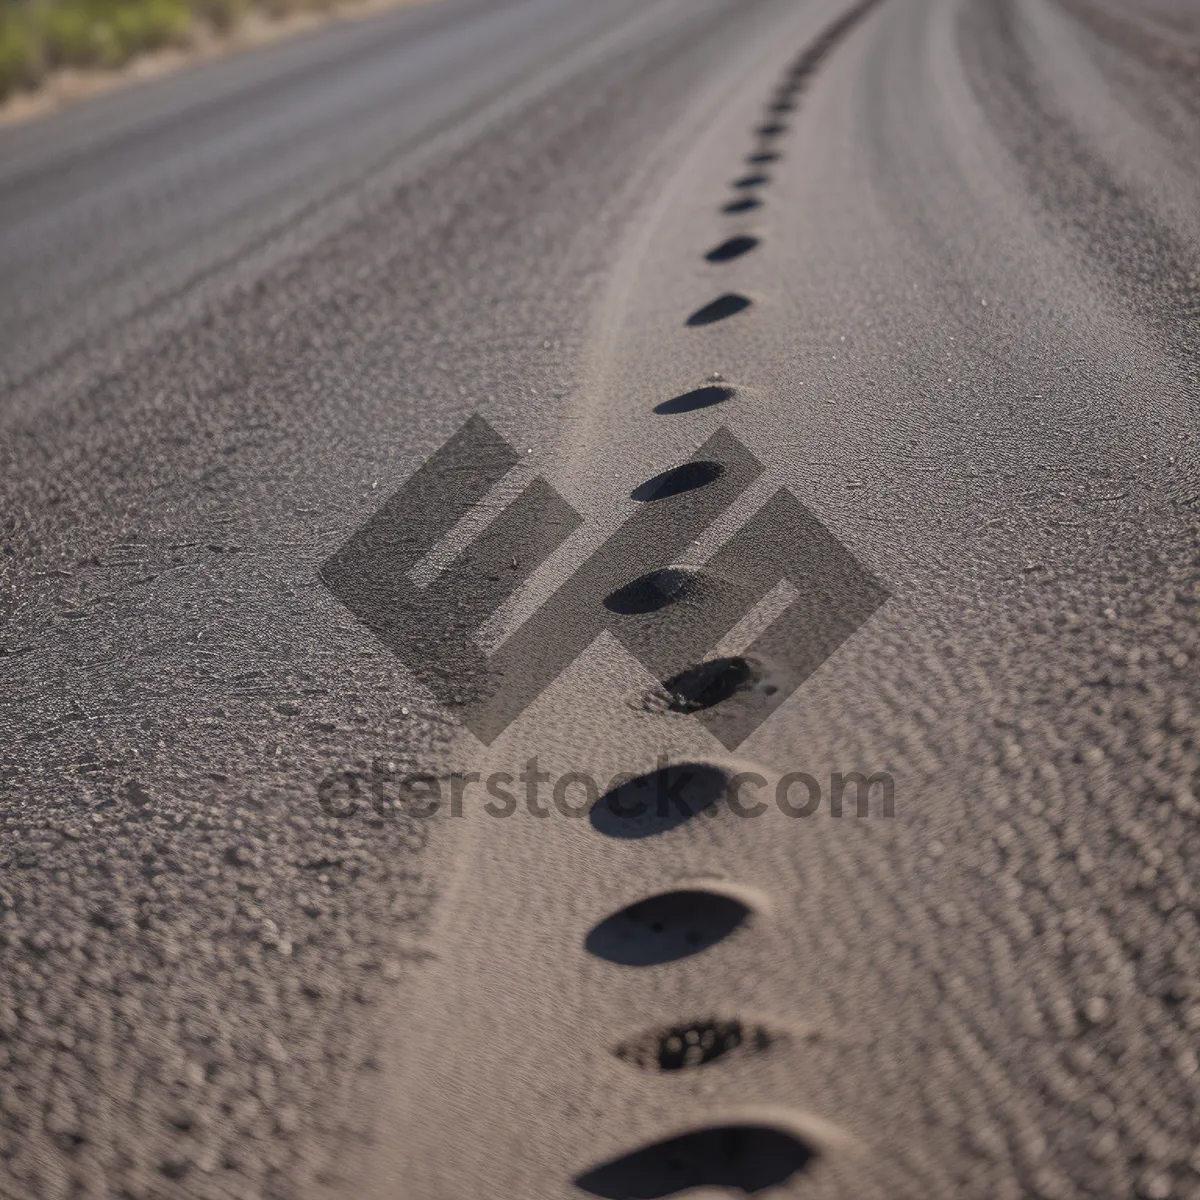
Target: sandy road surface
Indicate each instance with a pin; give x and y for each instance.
(242, 305)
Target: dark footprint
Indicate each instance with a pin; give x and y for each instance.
(771, 129)
(750, 181)
(666, 928)
(734, 247)
(703, 397)
(719, 309)
(658, 801)
(709, 683)
(684, 478)
(744, 204)
(654, 590)
(744, 1158)
(682, 1047)
(763, 156)
(730, 696)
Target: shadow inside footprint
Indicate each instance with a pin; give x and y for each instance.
(684, 478)
(658, 801)
(694, 1044)
(719, 309)
(763, 156)
(666, 928)
(733, 247)
(703, 397)
(730, 696)
(745, 204)
(652, 591)
(742, 1158)
(771, 129)
(751, 181)
(710, 682)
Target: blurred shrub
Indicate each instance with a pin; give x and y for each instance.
(149, 24)
(21, 62)
(38, 35)
(222, 15)
(73, 37)
(81, 33)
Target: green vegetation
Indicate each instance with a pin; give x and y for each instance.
(37, 36)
